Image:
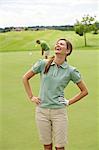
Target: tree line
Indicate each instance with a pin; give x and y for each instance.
(87, 24)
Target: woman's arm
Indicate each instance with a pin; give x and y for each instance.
(28, 75)
(83, 92)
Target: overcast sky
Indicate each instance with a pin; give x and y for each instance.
(45, 12)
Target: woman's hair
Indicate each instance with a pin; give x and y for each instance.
(69, 47)
(48, 64)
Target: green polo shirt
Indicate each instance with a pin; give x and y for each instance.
(45, 46)
(54, 82)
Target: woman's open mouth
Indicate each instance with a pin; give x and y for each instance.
(58, 48)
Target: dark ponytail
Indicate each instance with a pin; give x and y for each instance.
(48, 64)
(69, 46)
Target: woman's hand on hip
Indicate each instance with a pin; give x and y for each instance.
(36, 100)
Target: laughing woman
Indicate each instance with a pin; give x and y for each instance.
(51, 116)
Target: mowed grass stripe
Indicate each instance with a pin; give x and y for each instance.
(25, 40)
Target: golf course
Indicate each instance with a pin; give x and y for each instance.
(18, 52)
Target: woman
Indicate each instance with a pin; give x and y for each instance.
(51, 115)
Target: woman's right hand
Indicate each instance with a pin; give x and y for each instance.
(36, 100)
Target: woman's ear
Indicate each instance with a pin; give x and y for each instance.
(67, 51)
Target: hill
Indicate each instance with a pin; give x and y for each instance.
(25, 40)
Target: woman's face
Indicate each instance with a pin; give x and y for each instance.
(61, 47)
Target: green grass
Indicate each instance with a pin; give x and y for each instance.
(25, 40)
(18, 128)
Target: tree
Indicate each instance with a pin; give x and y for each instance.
(96, 27)
(87, 24)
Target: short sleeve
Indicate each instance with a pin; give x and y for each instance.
(38, 66)
(75, 76)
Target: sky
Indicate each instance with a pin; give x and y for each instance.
(45, 12)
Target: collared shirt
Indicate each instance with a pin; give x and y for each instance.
(54, 82)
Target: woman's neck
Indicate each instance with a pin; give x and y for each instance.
(59, 60)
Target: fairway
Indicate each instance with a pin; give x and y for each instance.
(18, 129)
(25, 40)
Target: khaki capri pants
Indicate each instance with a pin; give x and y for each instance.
(52, 125)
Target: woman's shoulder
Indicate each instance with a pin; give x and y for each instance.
(39, 65)
(44, 61)
(39, 62)
(71, 67)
